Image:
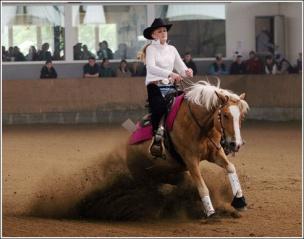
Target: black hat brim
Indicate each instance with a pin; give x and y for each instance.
(148, 31)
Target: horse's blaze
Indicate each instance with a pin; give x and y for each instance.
(235, 112)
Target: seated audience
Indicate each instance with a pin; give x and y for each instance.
(218, 67)
(77, 51)
(123, 70)
(190, 63)
(138, 69)
(105, 69)
(32, 54)
(284, 67)
(91, 69)
(44, 54)
(57, 56)
(237, 67)
(18, 55)
(5, 56)
(104, 51)
(121, 52)
(10, 54)
(48, 71)
(299, 63)
(254, 64)
(270, 66)
(86, 54)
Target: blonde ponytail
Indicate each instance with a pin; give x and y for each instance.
(141, 55)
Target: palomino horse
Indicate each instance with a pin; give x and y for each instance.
(206, 127)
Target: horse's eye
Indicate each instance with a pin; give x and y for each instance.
(226, 116)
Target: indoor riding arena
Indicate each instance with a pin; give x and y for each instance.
(64, 169)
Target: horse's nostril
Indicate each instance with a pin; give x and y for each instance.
(232, 144)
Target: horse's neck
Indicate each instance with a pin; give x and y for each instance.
(206, 118)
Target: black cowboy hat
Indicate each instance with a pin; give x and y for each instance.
(158, 22)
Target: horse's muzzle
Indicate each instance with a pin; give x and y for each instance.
(234, 147)
(231, 146)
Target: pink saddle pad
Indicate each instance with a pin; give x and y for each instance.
(145, 133)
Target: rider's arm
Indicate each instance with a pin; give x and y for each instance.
(179, 65)
(151, 66)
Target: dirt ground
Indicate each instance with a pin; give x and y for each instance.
(48, 168)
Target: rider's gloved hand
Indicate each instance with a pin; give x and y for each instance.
(189, 72)
(175, 78)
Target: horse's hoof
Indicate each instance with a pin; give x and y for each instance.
(212, 215)
(242, 209)
(239, 203)
(212, 218)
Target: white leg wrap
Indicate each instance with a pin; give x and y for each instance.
(209, 210)
(235, 185)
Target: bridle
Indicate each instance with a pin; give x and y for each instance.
(223, 143)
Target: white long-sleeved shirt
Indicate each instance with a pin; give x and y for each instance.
(161, 59)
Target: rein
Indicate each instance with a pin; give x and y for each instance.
(223, 143)
(218, 147)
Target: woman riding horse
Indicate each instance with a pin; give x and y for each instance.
(206, 127)
(160, 59)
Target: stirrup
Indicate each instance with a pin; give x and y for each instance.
(157, 148)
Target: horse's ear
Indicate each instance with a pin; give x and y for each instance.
(242, 96)
(223, 98)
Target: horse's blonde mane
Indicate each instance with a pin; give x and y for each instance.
(203, 93)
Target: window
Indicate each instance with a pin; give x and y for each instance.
(24, 36)
(33, 32)
(36, 31)
(113, 32)
(197, 28)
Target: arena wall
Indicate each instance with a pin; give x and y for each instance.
(113, 100)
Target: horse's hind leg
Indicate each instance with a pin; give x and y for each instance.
(238, 201)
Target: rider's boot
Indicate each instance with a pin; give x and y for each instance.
(157, 148)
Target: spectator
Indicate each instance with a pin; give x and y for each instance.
(121, 52)
(237, 67)
(123, 70)
(105, 69)
(104, 51)
(10, 55)
(48, 71)
(18, 55)
(138, 69)
(299, 63)
(218, 67)
(86, 54)
(77, 52)
(4, 54)
(263, 42)
(32, 54)
(284, 67)
(190, 63)
(57, 56)
(270, 66)
(44, 54)
(91, 69)
(254, 64)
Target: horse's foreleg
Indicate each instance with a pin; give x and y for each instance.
(238, 200)
(202, 188)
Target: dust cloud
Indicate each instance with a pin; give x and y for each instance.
(105, 190)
